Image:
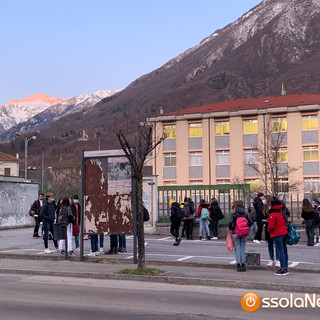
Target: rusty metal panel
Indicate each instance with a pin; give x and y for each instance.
(107, 196)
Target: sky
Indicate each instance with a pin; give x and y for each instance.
(69, 47)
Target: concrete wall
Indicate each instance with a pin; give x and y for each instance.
(16, 199)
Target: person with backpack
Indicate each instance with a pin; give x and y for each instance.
(35, 208)
(240, 223)
(277, 227)
(176, 216)
(308, 214)
(259, 202)
(188, 211)
(204, 216)
(216, 215)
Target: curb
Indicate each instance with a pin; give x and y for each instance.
(171, 280)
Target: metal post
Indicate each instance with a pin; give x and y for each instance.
(42, 171)
(83, 179)
(25, 158)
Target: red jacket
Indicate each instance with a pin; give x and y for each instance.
(277, 224)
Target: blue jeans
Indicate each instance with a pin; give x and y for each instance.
(94, 242)
(240, 248)
(282, 250)
(76, 241)
(122, 241)
(101, 240)
(204, 223)
(48, 226)
(271, 253)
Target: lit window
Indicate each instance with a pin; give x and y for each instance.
(170, 159)
(195, 158)
(279, 124)
(222, 128)
(310, 122)
(223, 157)
(169, 131)
(310, 153)
(195, 130)
(311, 185)
(251, 156)
(281, 155)
(250, 126)
(169, 183)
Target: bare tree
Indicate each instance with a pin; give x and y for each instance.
(137, 146)
(271, 161)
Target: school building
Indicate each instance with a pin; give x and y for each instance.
(218, 143)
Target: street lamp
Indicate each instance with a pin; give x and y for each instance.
(42, 177)
(26, 140)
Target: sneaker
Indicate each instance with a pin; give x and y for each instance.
(179, 240)
(62, 252)
(277, 264)
(286, 271)
(238, 267)
(280, 272)
(101, 249)
(270, 263)
(78, 249)
(35, 236)
(257, 241)
(243, 268)
(71, 253)
(214, 238)
(47, 251)
(91, 254)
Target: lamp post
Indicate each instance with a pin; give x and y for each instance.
(42, 178)
(26, 140)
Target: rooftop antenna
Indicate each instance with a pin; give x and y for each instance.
(283, 90)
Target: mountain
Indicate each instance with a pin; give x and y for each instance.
(16, 111)
(53, 113)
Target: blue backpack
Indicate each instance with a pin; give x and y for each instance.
(293, 234)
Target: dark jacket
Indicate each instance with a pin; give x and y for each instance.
(258, 206)
(307, 215)
(36, 206)
(175, 212)
(192, 210)
(74, 211)
(277, 225)
(65, 214)
(47, 212)
(235, 215)
(216, 213)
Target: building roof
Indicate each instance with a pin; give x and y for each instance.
(8, 157)
(290, 100)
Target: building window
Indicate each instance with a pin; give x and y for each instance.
(279, 124)
(169, 183)
(250, 126)
(310, 154)
(195, 129)
(7, 171)
(195, 158)
(169, 131)
(254, 184)
(170, 159)
(251, 156)
(224, 181)
(223, 157)
(283, 185)
(195, 182)
(281, 155)
(310, 122)
(222, 128)
(311, 185)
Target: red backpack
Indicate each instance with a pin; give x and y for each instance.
(242, 227)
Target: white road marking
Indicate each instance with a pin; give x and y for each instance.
(130, 257)
(167, 238)
(293, 264)
(185, 258)
(233, 262)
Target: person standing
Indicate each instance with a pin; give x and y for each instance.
(122, 243)
(258, 204)
(36, 207)
(188, 210)
(47, 214)
(65, 215)
(216, 215)
(277, 227)
(240, 223)
(175, 218)
(113, 244)
(76, 209)
(308, 216)
(204, 221)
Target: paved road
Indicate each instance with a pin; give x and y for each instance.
(161, 249)
(27, 297)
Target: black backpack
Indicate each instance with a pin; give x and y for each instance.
(180, 213)
(186, 210)
(146, 216)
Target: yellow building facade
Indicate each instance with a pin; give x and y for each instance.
(224, 142)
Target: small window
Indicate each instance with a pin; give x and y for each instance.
(223, 157)
(251, 156)
(283, 185)
(195, 130)
(279, 124)
(281, 155)
(169, 131)
(310, 154)
(195, 158)
(170, 159)
(250, 126)
(222, 128)
(7, 171)
(195, 182)
(225, 181)
(311, 185)
(310, 122)
(169, 183)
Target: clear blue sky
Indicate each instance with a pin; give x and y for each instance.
(68, 47)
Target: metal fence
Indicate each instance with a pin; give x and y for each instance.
(225, 194)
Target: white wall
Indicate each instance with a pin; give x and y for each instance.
(14, 167)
